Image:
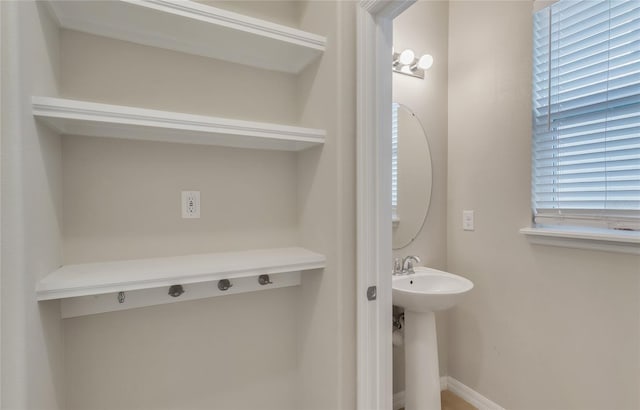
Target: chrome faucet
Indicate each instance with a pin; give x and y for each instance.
(404, 266)
(407, 264)
(397, 266)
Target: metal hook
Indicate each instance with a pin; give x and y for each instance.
(120, 297)
(176, 290)
(264, 280)
(224, 284)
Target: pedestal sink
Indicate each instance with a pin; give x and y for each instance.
(421, 294)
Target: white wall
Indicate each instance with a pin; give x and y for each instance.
(230, 352)
(424, 29)
(122, 200)
(119, 72)
(32, 354)
(286, 12)
(544, 327)
(326, 212)
(123, 197)
(284, 349)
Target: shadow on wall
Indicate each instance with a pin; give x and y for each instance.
(49, 313)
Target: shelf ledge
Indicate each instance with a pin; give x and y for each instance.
(93, 288)
(584, 238)
(122, 276)
(194, 28)
(116, 121)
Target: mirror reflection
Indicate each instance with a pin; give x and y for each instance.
(411, 176)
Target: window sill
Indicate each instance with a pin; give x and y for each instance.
(585, 238)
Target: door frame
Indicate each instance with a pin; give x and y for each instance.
(374, 82)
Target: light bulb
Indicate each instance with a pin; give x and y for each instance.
(425, 62)
(407, 57)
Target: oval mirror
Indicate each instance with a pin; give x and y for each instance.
(412, 179)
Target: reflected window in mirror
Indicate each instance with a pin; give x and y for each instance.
(411, 176)
(394, 163)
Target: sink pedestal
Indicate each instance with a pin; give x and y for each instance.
(422, 381)
(421, 294)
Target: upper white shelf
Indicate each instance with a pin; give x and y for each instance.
(72, 281)
(117, 121)
(194, 28)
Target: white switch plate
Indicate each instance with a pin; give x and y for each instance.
(467, 221)
(190, 204)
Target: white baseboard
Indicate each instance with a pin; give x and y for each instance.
(444, 383)
(398, 398)
(471, 396)
(464, 392)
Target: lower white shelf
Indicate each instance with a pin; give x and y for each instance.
(117, 285)
(89, 305)
(91, 119)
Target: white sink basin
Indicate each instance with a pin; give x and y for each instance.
(429, 290)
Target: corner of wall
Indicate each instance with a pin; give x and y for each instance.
(32, 357)
(326, 208)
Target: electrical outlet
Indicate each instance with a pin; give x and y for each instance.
(468, 221)
(190, 204)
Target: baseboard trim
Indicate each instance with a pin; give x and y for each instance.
(471, 396)
(459, 389)
(398, 398)
(444, 383)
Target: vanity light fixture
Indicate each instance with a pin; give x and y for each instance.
(407, 63)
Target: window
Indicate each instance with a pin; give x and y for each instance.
(586, 114)
(394, 163)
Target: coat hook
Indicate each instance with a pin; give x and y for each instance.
(120, 297)
(264, 280)
(176, 290)
(224, 284)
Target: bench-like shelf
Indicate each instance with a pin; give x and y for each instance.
(194, 28)
(94, 287)
(116, 121)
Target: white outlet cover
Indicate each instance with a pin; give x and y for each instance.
(190, 204)
(468, 223)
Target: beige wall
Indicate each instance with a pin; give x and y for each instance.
(266, 350)
(32, 349)
(544, 327)
(424, 29)
(284, 349)
(231, 352)
(122, 200)
(117, 72)
(326, 212)
(286, 12)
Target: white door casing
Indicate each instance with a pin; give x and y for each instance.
(374, 45)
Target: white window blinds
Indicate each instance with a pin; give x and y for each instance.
(394, 162)
(586, 114)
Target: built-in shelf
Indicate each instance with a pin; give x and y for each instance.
(194, 28)
(96, 287)
(116, 121)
